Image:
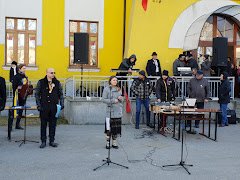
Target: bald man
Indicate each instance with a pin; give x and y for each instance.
(48, 94)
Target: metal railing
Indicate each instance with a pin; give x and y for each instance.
(88, 87)
(34, 83)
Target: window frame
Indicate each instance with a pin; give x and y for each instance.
(87, 66)
(27, 34)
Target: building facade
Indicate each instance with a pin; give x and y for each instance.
(40, 33)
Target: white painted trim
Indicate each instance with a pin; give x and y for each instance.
(85, 10)
(191, 14)
(84, 70)
(28, 68)
(24, 9)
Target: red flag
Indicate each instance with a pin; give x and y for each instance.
(128, 103)
(144, 4)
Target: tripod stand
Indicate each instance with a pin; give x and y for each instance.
(108, 161)
(25, 126)
(182, 163)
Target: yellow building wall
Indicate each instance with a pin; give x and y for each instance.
(151, 30)
(145, 32)
(52, 53)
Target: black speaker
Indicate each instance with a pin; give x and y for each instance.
(220, 51)
(81, 48)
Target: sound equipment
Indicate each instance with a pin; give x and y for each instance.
(220, 52)
(81, 48)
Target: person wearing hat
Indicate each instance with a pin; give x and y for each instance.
(165, 88)
(153, 67)
(198, 88)
(224, 97)
(180, 62)
(142, 89)
(13, 71)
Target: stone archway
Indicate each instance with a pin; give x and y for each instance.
(187, 28)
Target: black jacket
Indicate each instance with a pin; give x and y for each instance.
(224, 92)
(125, 65)
(151, 68)
(3, 95)
(18, 81)
(11, 74)
(165, 90)
(44, 97)
(192, 63)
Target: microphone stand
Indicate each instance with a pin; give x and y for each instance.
(108, 160)
(181, 163)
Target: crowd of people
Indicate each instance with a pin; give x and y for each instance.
(49, 94)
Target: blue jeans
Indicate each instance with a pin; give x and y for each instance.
(139, 102)
(223, 108)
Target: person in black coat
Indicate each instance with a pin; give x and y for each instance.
(19, 81)
(153, 67)
(13, 71)
(48, 94)
(165, 88)
(3, 96)
(224, 97)
(191, 62)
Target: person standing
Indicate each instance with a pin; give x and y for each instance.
(142, 89)
(198, 88)
(48, 94)
(206, 66)
(3, 95)
(13, 71)
(112, 97)
(224, 97)
(153, 67)
(165, 88)
(127, 64)
(180, 62)
(191, 62)
(19, 86)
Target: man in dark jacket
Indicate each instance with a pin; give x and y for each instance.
(224, 97)
(13, 71)
(20, 80)
(165, 88)
(48, 94)
(2, 93)
(153, 67)
(127, 64)
(142, 89)
(198, 88)
(206, 66)
(180, 62)
(191, 62)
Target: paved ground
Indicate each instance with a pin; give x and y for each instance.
(82, 149)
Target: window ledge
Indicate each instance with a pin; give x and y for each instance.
(84, 69)
(29, 68)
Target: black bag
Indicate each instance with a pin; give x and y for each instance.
(231, 115)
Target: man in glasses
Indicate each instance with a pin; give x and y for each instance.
(48, 94)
